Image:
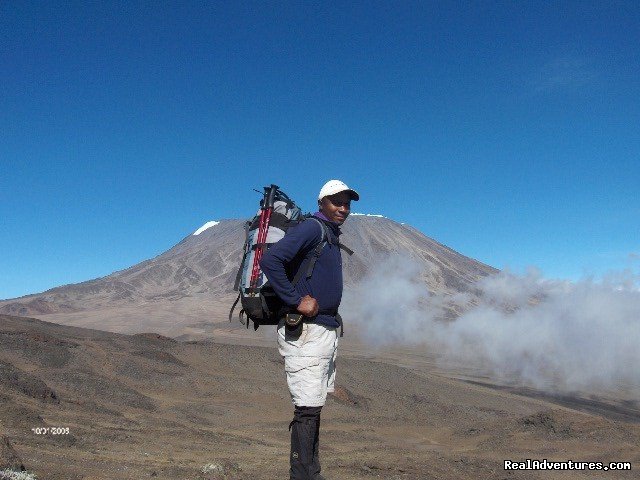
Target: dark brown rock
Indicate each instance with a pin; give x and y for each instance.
(9, 459)
(26, 383)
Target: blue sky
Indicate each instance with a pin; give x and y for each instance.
(509, 131)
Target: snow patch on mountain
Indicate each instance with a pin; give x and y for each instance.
(369, 215)
(205, 227)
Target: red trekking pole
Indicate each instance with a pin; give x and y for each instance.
(263, 230)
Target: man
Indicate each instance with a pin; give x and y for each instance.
(309, 348)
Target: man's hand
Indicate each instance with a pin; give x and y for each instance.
(308, 306)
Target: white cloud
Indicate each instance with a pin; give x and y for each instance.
(554, 335)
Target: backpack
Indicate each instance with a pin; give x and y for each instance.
(277, 214)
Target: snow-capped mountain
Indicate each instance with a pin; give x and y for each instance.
(193, 280)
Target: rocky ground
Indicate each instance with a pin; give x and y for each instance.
(86, 404)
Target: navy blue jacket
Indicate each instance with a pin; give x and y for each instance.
(281, 262)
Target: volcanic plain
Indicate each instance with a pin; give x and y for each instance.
(78, 403)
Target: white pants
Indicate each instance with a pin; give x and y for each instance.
(309, 363)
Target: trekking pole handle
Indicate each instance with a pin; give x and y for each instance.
(269, 196)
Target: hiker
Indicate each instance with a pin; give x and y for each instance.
(309, 347)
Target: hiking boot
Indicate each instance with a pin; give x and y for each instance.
(304, 434)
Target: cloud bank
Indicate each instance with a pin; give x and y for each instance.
(553, 335)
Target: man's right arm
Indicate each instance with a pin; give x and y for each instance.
(301, 238)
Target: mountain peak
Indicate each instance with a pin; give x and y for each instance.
(193, 281)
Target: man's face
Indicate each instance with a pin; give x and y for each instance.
(336, 207)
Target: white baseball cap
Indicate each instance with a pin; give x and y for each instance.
(336, 186)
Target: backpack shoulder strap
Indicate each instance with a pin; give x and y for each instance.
(313, 254)
(332, 239)
(318, 250)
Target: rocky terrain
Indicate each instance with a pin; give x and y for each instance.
(77, 403)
